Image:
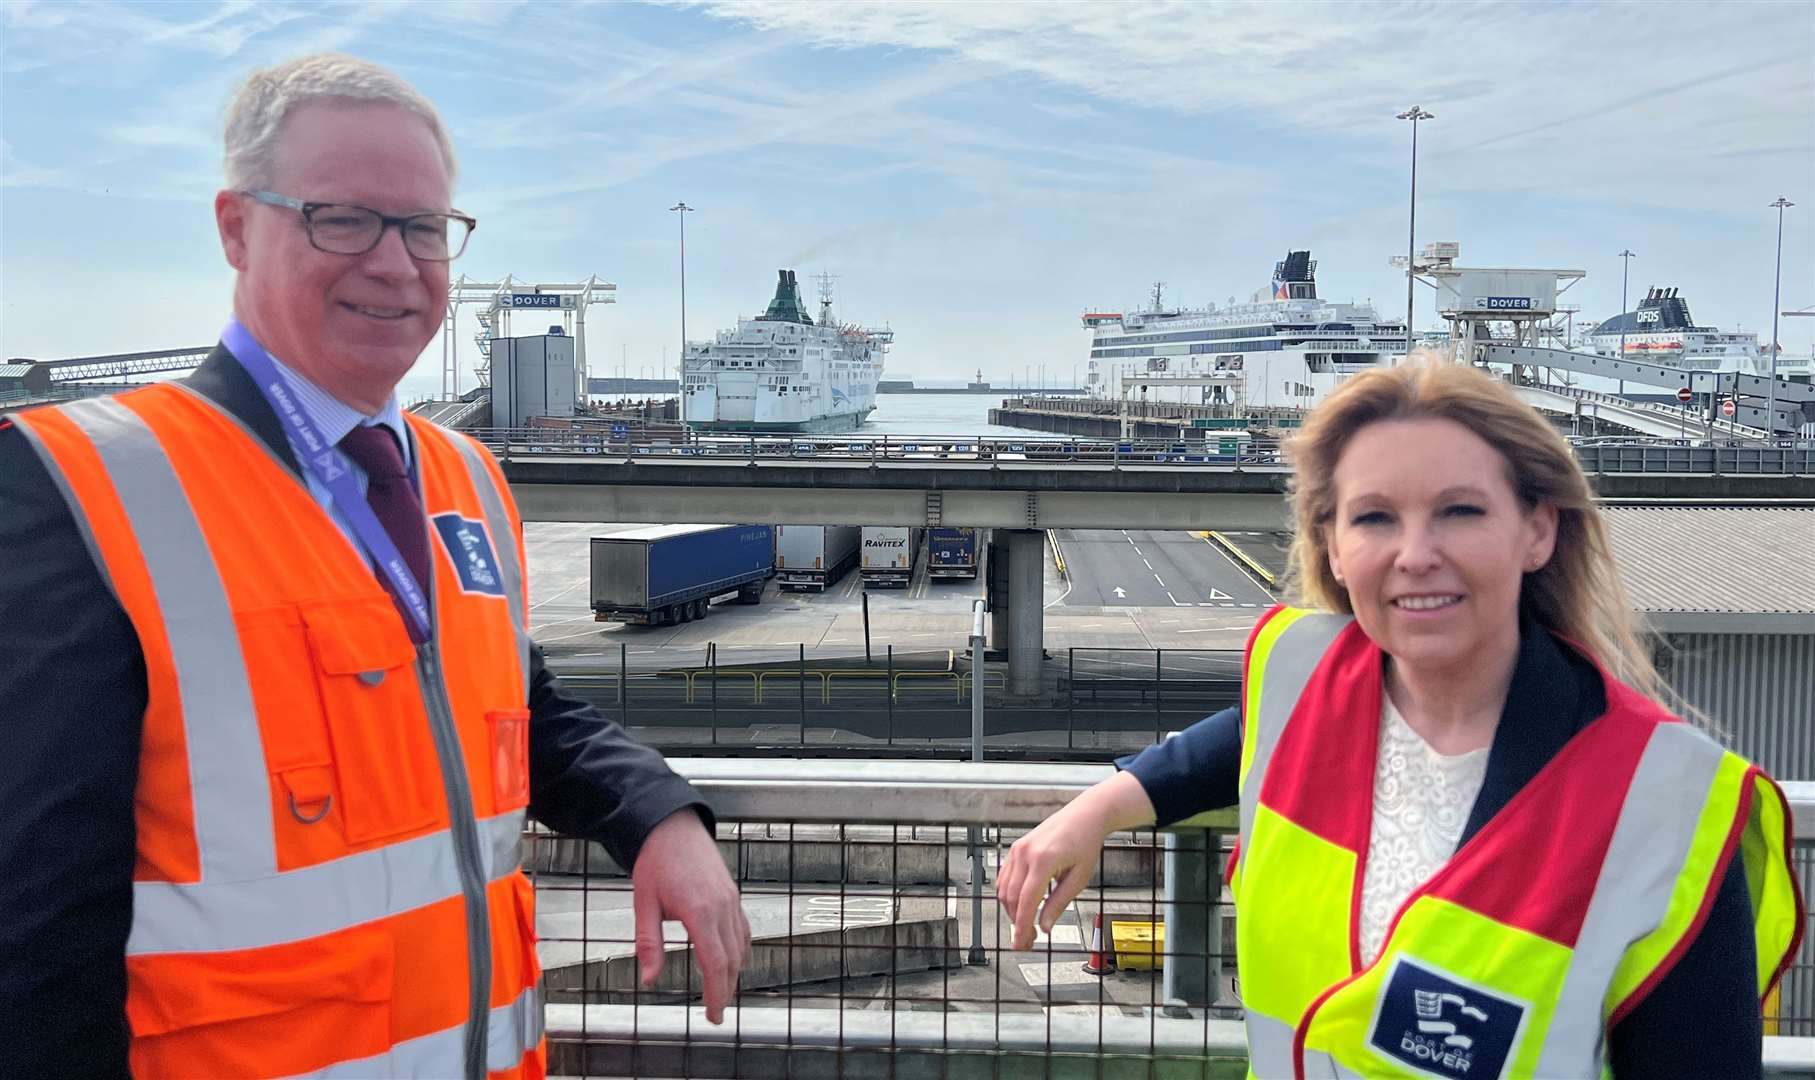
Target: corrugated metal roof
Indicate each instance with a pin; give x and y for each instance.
(1716, 559)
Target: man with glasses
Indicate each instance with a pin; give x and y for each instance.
(273, 717)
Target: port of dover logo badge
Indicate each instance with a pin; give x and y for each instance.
(1441, 1026)
(469, 550)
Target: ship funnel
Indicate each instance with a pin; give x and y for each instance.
(786, 307)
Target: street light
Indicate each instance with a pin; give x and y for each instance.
(1414, 114)
(1626, 258)
(1781, 204)
(681, 210)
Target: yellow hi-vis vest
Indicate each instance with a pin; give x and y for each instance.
(1541, 932)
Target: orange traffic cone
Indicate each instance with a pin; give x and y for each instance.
(1102, 957)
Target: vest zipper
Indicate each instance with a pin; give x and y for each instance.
(464, 826)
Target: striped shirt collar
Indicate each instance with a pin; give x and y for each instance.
(336, 418)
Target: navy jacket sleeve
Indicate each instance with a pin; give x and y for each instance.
(72, 699)
(1703, 1019)
(1196, 770)
(589, 778)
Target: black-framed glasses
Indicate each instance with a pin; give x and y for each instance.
(346, 229)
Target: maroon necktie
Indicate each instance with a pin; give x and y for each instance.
(391, 495)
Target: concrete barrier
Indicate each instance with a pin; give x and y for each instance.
(907, 945)
(820, 854)
(851, 854)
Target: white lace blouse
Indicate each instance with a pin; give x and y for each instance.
(1422, 800)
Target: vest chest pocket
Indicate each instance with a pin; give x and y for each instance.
(383, 750)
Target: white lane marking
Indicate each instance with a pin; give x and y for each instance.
(566, 637)
(1120, 592)
(1068, 971)
(1241, 570)
(1159, 579)
(1138, 551)
(547, 600)
(1147, 564)
(1218, 594)
(1174, 600)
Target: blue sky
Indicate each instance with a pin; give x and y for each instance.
(974, 174)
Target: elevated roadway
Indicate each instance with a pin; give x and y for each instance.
(1795, 400)
(1655, 421)
(1042, 485)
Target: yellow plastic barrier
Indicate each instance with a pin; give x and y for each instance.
(1138, 945)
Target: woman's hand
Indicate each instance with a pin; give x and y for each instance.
(1063, 852)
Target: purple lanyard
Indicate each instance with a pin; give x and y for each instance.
(326, 464)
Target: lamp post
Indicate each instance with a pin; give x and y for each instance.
(1626, 258)
(681, 210)
(1781, 204)
(1414, 114)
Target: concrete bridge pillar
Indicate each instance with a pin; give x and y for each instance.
(1026, 597)
(996, 585)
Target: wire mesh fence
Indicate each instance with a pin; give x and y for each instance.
(880, 948)
(1094, 704)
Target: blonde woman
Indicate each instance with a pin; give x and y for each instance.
(1474, 841)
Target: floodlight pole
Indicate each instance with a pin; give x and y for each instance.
(1781, 204)
(1414, 114)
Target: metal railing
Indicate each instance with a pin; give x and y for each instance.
(870, 957)
(1094, 703)
(1794, 457)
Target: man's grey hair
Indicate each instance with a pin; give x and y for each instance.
(255, 116)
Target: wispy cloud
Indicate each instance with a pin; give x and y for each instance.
(19, 174)
(1507, 76)
(1017, 158)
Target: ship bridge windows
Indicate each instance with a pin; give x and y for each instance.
(1207, 334)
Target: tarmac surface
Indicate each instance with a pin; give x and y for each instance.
(1213, 605)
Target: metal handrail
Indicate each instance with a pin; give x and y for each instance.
(1788, 456)
(941, 792)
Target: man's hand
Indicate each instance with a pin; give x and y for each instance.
(679, 875)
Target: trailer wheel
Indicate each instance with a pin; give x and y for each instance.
(699, 608)
(750, 594)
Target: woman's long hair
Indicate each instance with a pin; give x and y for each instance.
(1577, 594)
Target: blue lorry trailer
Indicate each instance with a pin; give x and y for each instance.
(951, 552)
(663, 574)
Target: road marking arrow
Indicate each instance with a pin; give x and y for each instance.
(1218, 594)
(1120, 592)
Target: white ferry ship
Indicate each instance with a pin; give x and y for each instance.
(1661, 331)
(784, 370)
(1284, 349)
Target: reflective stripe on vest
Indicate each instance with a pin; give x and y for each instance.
(233, 828)
(312, 900)
(512, 1031)
(504, 536)
(1283, 673)
(1555, 966)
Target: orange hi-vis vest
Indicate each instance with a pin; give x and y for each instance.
(1542, 931)
(328, 815)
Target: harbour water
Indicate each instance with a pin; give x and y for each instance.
(937, 414)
